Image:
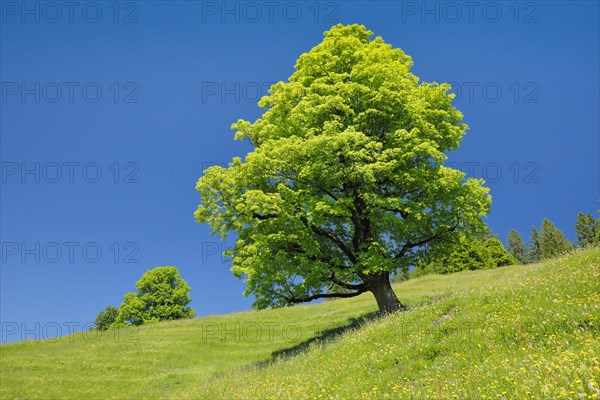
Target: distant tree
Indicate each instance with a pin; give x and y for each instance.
(422, 267)
(471, 254)
(430, 252)
(586, 228)
(498, 253)
(552, 241)
(533, 247)
(161, 295)
(459, 252)
(516, 247)
(106, 318)
(465, 253)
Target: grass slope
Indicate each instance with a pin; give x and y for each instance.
(514, 332)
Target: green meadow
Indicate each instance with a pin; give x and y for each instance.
(518, 332)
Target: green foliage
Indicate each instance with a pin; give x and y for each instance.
(401, 275)
(552, 241)
(533, 246)
(423, 267)
(587, 230)
(161, 295)
(467, 254)
(106, 317)
(461, 252)
(496, 250)
(346, 179)
(547, 242)
(516, 247)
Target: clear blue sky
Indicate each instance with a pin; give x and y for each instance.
(143, 93)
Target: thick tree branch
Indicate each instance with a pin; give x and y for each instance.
(317, 185)
(265, 216)
(345, 285)
(323, 296)
(331, 237)
(409, 245)
(292, 247)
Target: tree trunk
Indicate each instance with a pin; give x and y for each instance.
(379, 285)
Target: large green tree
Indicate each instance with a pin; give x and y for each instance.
(161, 295)
(346, 180)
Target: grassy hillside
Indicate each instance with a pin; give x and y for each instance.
(514, 332)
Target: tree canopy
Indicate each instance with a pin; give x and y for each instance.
(498, 253)
(552, 241)
(347, 178)
(161, 295)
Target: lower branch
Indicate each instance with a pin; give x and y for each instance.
(359, 291)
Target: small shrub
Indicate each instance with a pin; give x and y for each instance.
(106, 317)
(500, 256)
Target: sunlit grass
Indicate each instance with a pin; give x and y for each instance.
(513, 332)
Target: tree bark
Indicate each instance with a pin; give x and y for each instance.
(379, 285)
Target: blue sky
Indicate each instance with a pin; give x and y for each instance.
(110, 112)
